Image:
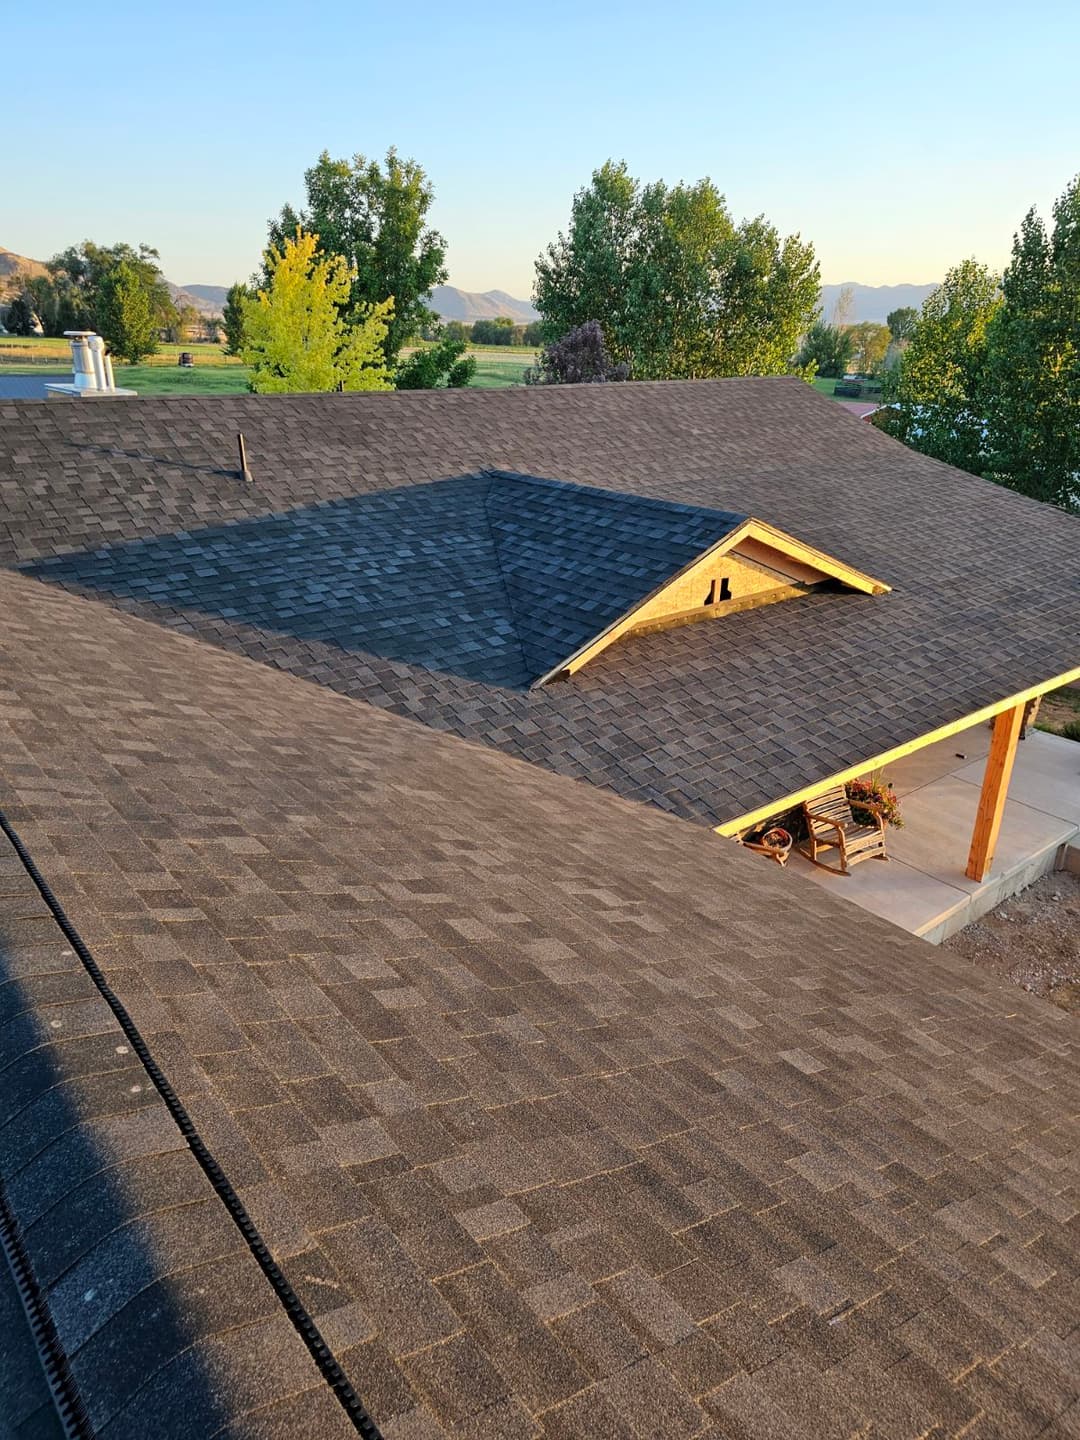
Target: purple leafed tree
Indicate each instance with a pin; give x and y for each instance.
(580, 357)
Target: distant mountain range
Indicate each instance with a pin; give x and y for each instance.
(453, 304)
(12, 264)
(869, 302)
(872, 302)
(446, 300)
(209, 299)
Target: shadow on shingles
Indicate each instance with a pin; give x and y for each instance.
(73, 1102)
(492, 578)
(232, 473)
(408, 575)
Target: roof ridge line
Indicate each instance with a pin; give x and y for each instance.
(492, 476)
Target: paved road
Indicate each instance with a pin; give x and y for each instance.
(29, 387)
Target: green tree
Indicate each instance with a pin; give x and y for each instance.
(828, 349)
(20, 316)
(1033, 384)
(184, 324)
(902, 322)
(679, 289)
(232, 317)
(938, 390)
(53, 306)
(79, 275)
(457, 330)
(870, 345)
(443, 364)
(295, 339)
(127, 319)
(499, 331)
(534, 333)
(374, 216)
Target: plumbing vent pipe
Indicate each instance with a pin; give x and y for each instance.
(245, 473)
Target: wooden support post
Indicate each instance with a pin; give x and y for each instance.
(995, 788)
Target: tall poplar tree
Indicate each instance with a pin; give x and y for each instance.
(1033, 407)
(679, 289)
(937, 393)
(374, 216)
(127, 313)
(232, 317)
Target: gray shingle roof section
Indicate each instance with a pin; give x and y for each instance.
(565, 1120)
(492, 578)
(707, 722)
(574, 559)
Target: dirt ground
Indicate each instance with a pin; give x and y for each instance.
(1032, 940)
(1059, 708)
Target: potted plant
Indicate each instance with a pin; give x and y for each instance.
(874, 790)
(772, 840)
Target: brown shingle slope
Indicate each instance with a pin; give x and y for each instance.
(165, 1323)
(564, 1120)
(708, 722)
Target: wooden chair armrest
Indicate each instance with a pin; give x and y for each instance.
(824, 820)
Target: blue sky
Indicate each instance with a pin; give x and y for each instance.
(898, 140)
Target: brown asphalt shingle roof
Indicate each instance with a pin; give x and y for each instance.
(708, 722)
(563, 1119)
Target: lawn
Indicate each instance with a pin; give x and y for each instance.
(493, 372)
(215, 374)
(173, 380)
(29, 354)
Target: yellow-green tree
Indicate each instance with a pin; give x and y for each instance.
(870, 344)
(295, 340)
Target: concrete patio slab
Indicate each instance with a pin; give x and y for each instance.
(922, 886)
(947, 757)
(1049, 778)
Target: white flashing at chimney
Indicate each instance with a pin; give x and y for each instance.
(92, 376)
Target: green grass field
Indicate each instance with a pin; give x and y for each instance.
(214, 373)
(165, 380)
(495, 373)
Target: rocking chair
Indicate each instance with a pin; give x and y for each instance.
(831, 825)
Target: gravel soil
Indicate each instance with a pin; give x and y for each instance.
(1032, 940)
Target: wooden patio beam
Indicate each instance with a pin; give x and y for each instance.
(995, 789)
